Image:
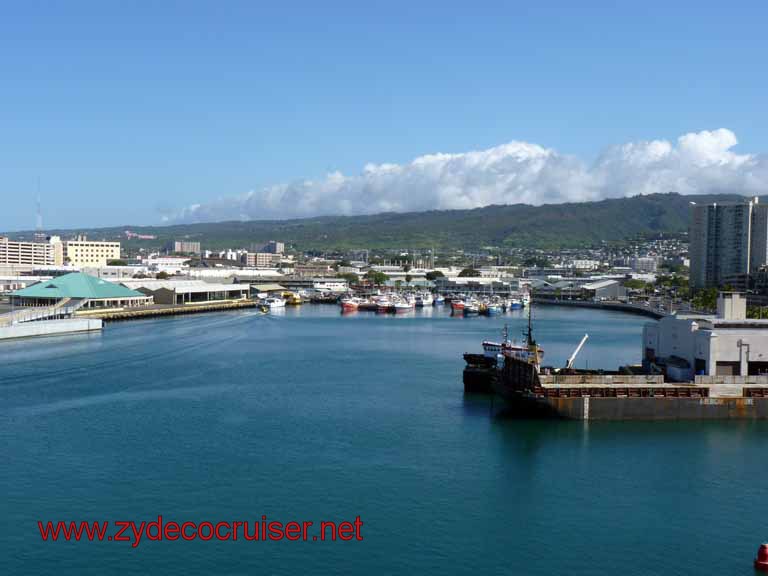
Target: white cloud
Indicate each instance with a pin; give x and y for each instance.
(516, 172)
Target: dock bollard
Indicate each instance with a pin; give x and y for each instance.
(761, 562)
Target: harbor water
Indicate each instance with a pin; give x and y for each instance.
(309, 415)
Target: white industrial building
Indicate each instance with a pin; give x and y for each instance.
(726, 344)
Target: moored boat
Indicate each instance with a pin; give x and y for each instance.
(350, 304)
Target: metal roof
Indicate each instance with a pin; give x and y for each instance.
(77, 285)
(184, 286)
(600, 284)
(268, 287)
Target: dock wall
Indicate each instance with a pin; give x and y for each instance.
(136, 313)
(615, 306)
(591, 408)
(50, 328)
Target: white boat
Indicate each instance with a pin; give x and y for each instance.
(424, 299)
(439, 300)
(274, 303)
(403, 306)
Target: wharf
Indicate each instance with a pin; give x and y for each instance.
(171, 310)
(617, 396)
(50, 328)
(616, 306)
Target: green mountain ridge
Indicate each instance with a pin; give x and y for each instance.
(512, 225)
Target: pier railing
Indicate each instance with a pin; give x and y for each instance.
(63, 308)
(601, 379)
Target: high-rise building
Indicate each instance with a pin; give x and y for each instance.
(727, 240)
(274, 247)
(183, 247)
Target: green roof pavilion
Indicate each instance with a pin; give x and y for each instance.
(98, 292)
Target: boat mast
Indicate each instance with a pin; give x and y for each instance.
(529, 332)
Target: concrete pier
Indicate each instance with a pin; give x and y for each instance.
(50, 328)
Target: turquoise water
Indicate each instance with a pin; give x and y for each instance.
(313, 416)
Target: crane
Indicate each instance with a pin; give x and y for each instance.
(569, 363)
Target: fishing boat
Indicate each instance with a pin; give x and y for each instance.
(350, 304)
(383, 304)
(423, 299)
(509, 349)
(471, 308)
(457, 305)
(492, 309)
(293, 299)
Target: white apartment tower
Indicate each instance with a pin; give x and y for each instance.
(727, 240)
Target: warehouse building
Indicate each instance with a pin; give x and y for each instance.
(188, 291)
(604, 290)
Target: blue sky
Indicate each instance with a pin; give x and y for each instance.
(128, 111)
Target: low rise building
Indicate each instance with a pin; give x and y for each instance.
(725, 344)
(604, 290)
(188, 291)
(83, 253)
(261, 260)
(26, 253)
(91, 291)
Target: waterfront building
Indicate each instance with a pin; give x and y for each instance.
(604, 290)
(725, 344)
(296, 283)
(83, 253)
(187, 291)
(11, 283)
(26, 253)
(91, 291)
(727, 240)
(477, 285)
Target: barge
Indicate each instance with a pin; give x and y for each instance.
(694, 368)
